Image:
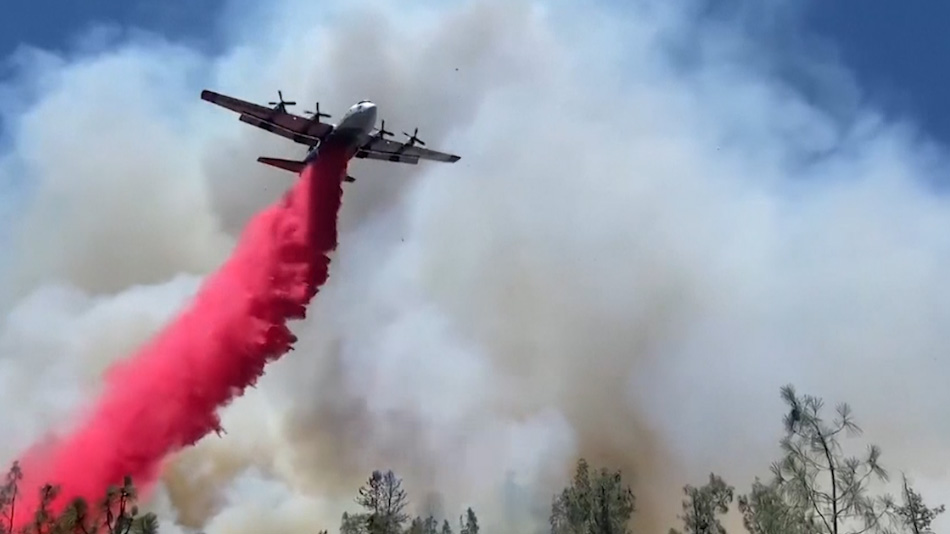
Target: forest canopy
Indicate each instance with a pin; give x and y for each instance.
(813, 488)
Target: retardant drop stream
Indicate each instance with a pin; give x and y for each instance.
(167, 395)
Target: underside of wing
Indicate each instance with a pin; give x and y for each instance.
(282, 119)
(303, 139)
(386, 156)
(385, 147)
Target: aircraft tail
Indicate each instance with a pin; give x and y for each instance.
(291, 165)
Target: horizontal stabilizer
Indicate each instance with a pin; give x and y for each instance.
(292, 166)
(286, 164)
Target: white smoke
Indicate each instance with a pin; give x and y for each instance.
(630, 259)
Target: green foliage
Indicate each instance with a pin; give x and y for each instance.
(818, 479)
(593, 504)
(8, 498)
(703, 504)
(914, 516)
(353, 524)
(415, 527)
(765, 511)
(428, 525)
(115, 513)
(468, 525)
(431, 526)
(385, 502)
(816, 489)
(423, 526)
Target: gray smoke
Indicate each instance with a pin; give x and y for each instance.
(630, 259)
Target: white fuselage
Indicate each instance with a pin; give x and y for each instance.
(353, 130)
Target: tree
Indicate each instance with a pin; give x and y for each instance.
(384, 499)
(470, 524)
(416, 526)
(571, 510)
(430, 526)
(598, 504)
(815, 476)
(353, 524)
(385, 502)
(115, 513)
(765, 511)
(914, 515)
(702, 505)
(8, 497)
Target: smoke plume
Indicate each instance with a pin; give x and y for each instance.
(649, 232)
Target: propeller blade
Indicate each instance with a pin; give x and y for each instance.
(282, 104)
(414, 138)
(316, 113)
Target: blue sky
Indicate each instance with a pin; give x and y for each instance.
(55, 23)
(894, 49)
(897, 50)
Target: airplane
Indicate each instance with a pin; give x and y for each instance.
(356, 133)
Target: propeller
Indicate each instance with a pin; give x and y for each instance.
(414, 138)
(383, 132)
(282, 105)
(316, 114)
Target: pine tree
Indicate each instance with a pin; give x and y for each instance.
(571, 511)
(613, 504)
(415, 527)
(395, 502)
(8, 498)
(115, 513)
(385, 501)
(598, 504)
(470, 523)
(765, 511)
(914, 515)
(353, 524)
(703, 504)
(817, 478)
(430, 526)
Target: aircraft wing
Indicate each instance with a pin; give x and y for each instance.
(303, 139)
(384, 156)
(386, 150)
(310, 128)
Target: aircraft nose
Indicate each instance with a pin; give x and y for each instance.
(369, 110)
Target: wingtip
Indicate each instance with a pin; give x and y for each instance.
(207, 95)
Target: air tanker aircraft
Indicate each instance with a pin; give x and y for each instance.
(356, 134)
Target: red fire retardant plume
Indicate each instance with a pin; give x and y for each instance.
(167, 395)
